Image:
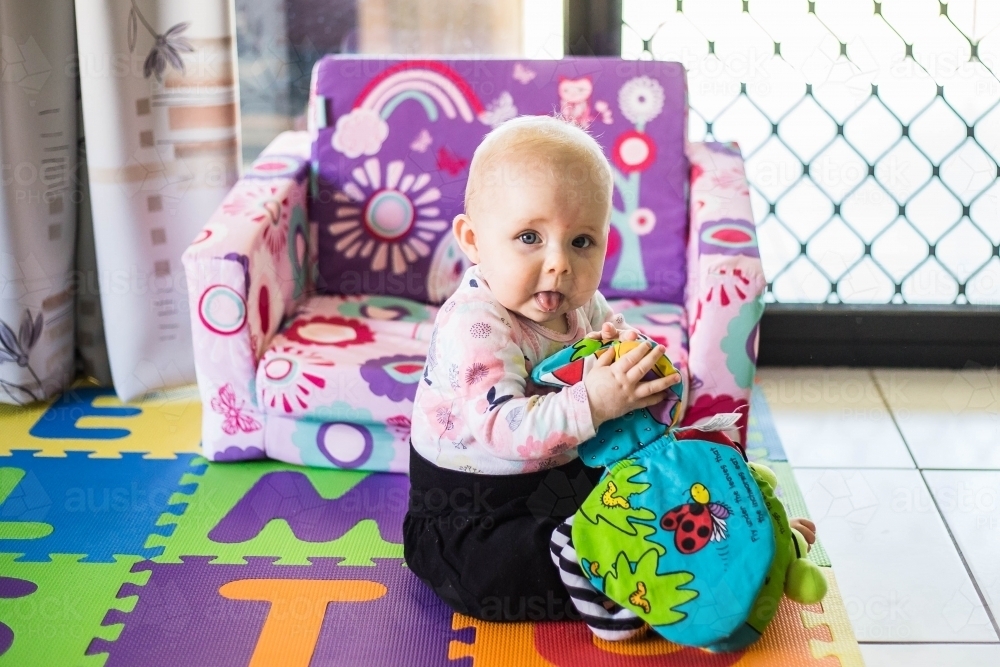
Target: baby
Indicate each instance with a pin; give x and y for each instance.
(493, 462)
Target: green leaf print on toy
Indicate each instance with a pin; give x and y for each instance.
(585, 347)
(613, 505)
(609, 526)
(656, 604)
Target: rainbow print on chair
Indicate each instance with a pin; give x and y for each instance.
(437, 88)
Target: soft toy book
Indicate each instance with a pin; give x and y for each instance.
(681, 529)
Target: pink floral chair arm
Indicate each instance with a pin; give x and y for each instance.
(248, 268)
(725, 285)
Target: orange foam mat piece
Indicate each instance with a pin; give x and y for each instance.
(813, 635)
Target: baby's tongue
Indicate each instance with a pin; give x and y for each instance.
(548, 301)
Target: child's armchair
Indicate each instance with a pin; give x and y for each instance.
(313, 288)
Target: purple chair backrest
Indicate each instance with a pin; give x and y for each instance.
(393, 140)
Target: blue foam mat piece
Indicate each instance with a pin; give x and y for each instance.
(96, 507)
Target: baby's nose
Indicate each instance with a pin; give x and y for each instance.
(556, 262)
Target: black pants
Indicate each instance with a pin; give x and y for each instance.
(481, 542)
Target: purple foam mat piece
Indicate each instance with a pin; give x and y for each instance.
(11, 587)
(182, 619)
(291, 496)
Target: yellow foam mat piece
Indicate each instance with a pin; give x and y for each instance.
(168, 423)
(814, 635)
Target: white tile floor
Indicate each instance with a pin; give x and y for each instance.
(900, 469)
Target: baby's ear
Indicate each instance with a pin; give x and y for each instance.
(461, 227)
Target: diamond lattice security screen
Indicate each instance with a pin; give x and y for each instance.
(871, 133)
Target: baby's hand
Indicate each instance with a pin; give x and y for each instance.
(806, 527)
(616, 387)
(609, 333)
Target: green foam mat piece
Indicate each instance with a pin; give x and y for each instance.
(222, 485)
(54, 624)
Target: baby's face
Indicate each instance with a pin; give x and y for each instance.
(540, 246)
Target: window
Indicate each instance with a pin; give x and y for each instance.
(279, 41)
(871, 133)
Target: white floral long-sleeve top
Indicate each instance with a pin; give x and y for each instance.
(476, 408)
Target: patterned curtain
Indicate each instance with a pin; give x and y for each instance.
(161, 111)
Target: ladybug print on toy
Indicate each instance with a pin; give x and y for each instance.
(698, 522)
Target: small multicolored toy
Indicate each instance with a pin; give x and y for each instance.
(568, 366)
(681, 530)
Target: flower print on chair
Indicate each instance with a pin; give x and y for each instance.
(288, 377)
(222, 310)
(235, 421)
(728, 236)
(641, 100)
(392, 219)
(447, 268)
(394, 377)
(740, 343)
(388, 308)
(732, 286)
(634, 151)
(298, 249)
(399, 426)
(329, 330)
(642, 221)
(211, 234)
(262, 204)
(265, 303)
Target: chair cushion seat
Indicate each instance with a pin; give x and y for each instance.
(355, 358)
(359, 358)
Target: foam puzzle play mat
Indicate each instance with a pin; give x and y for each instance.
(120, 545)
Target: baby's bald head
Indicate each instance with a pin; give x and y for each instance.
(533, 149)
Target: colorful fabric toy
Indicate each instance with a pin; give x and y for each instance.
(681, 530)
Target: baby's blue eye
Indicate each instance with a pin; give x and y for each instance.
(529, 237)
(582, 242)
